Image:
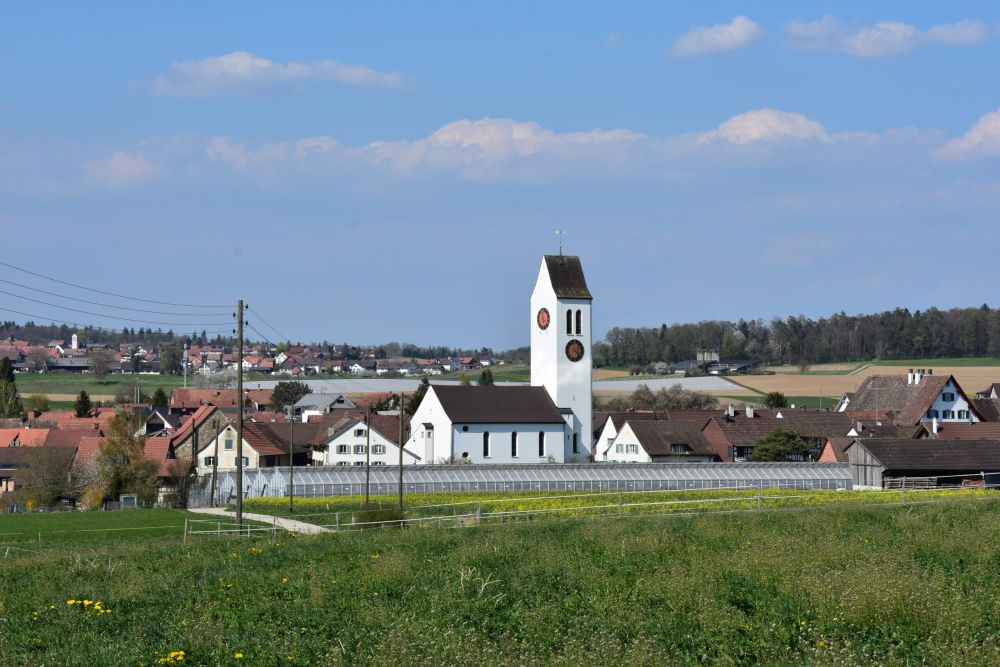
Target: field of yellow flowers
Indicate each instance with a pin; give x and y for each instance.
(913, 584)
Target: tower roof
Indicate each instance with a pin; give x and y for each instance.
(566, 275)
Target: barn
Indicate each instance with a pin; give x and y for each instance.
(890, 463)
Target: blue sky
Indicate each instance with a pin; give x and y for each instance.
(372, 172)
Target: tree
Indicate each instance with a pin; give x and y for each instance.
(39, 359)
(775, 399)
(36, 403)
(181, 475)
(170, 362)
(6, 370)
(781, 444)
(288, 393)
(82, 407)
(10, 400)
(486, 378)
(417, 397)
(122, 461)
(159, 399)
(138, 359)
(100, 361)
(464, 380)
(46, 475)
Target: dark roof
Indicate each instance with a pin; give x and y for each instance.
(987, 408)
(266, 439)
(618, 419)
(658, 437)
(994, 388)
(385, 425)
(815, 423)
(934, 455)
(566, 275)
(498, 405)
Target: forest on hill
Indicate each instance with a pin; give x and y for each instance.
(892, 334)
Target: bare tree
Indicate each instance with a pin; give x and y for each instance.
(46, 474)
(100, 362)
(39, 359)
(182, 477)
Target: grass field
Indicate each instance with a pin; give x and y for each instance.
(822, 402)
(57, 529)
(890, 585)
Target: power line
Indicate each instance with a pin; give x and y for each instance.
(115, 317)
(271, 327)
(80, 325)
(109, 305)
(114, 294)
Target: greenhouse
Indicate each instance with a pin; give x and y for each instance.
(350, 480)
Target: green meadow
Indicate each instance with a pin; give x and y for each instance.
(827, 585)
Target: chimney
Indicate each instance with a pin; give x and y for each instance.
(749, 412)
(934, 425)
(930, 371)
(793, 406)
(859, 427)
(909, 376)
(730, 411)
(918, 375)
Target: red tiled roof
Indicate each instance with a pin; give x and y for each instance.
(89, 446)
(197, 419)
(24, 437)
(966, 431)
(157, 450)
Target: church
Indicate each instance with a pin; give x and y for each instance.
(549, 421)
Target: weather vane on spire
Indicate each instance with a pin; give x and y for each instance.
(560, 233)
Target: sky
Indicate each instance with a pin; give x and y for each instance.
(369, 172)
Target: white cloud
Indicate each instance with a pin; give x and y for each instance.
(982, 139)
(242, 71)
(767, 125)
(885, 38)
(489, 141)
(705, 40)
(121, 170)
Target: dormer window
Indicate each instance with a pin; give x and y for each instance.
(678, 449)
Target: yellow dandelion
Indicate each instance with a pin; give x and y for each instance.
(238, 655)
(70, 602)
(284, 580)
(87, 603)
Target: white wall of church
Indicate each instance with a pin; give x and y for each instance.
(470, 443)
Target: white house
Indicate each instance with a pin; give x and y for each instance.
(263, 447)
(918, 396)
(489, 425)
(659, 441)
(346, 444)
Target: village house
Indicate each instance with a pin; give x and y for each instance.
(346, 443)
(264, 446)
(918, 396)
(661, 441)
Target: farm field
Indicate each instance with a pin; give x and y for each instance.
(497, 507)
(971, 378)
(818, 402)
(771, 588)
(837, 369)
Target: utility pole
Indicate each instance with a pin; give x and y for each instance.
(185, 362)
(402, 402)
(368, 453)
(194, 459)
(239, 414)
(215, 459)
(291, 457)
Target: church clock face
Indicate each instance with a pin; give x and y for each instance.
(543, 319)
(574, 350)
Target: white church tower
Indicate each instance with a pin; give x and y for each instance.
(561, 343)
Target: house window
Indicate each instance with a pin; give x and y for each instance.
(209, 460)
(963, 414)
(359, 432)
(576, 446)
(569, 322)
(359, 463)
(678, 449)
(486, 445)
(632, 449)
(948, 396)
(343, 463)
(378, 449)
(246, 461)
(359, 449)
(947, 414)
(513, 445)
(229, 444)
(343, 449)
(378, 463)
(742, 453)
(579, 322)
(619, 448)
(932, 414)
(541, 443)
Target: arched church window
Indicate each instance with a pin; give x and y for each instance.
(486, 444)
(579, 322)
(569, 322)
(513, 445)
(541, 443)
(576, 446)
